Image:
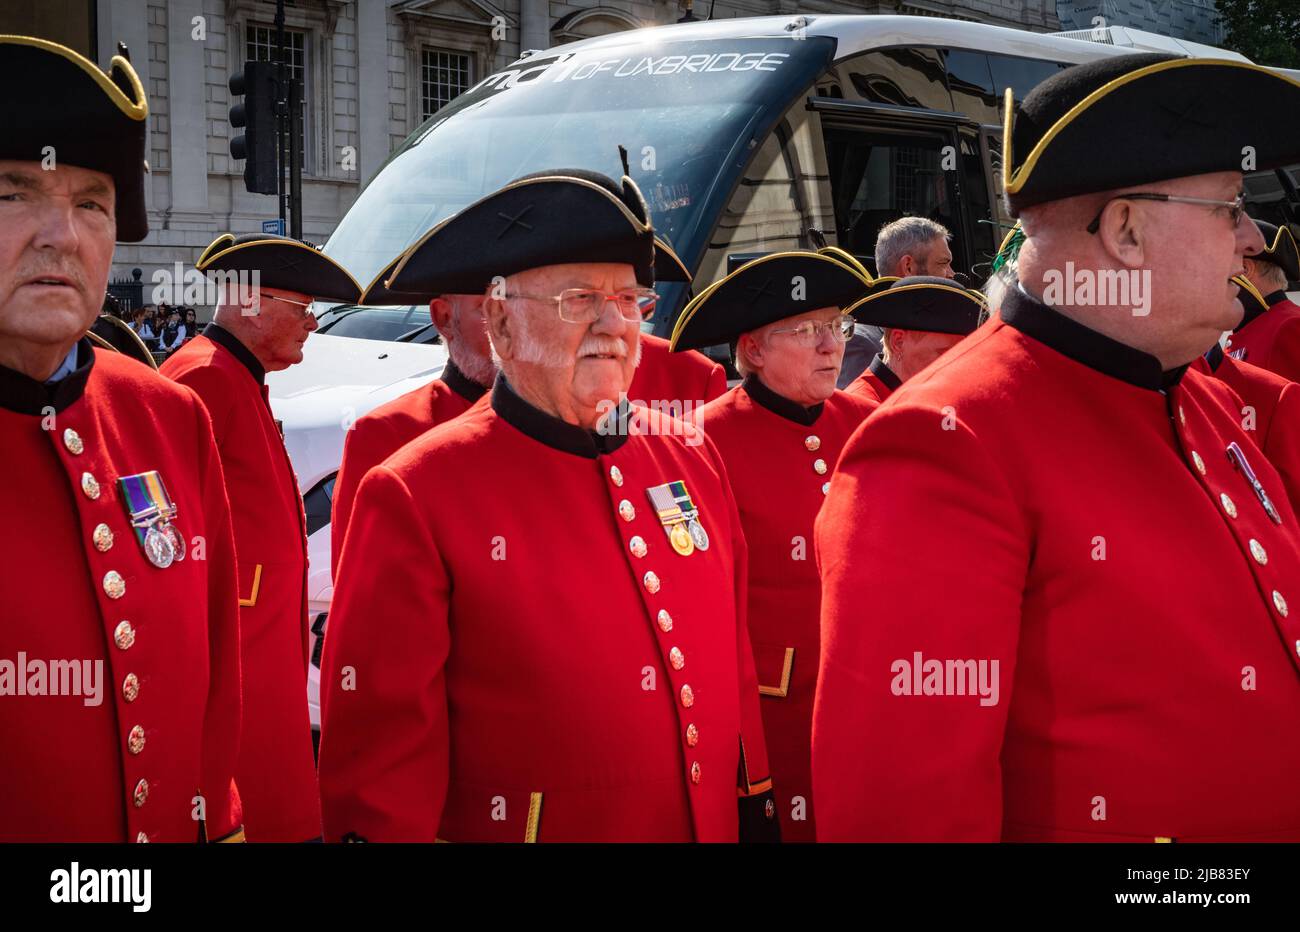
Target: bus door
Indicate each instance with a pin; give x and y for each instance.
(885, 162)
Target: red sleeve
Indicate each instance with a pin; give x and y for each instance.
(920, 550)
(1282, 444)
(384, 730)
(717, 385)
(221, 723)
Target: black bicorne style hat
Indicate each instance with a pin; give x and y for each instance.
(668, 267)
(763, 290)
(60, 105)
(921, 302)
(281, 262)
(1280, 249)
(1137, 119)
(553, 217)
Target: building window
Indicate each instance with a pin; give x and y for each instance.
(444, 76)
(261, 47)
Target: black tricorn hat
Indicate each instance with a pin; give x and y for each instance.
(281, 262)
(921, 302)
(763, 290)
(668, 268)
(551, 217)
(1280, 249)
(1138, 119)
(59, 103)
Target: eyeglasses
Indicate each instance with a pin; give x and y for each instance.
(304, 306)
(1236, 207)
(584, 305)
(810, 331)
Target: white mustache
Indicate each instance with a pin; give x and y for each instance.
(603, 346)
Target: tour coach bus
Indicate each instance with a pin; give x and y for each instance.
(745, 135)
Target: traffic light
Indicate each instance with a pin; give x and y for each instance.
(256, 115)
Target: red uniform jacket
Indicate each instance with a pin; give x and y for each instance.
(1036, 500)
(1272, 340)
(778, 456)
(1275, 421)
(534, 661)
(276, 774)
(678, 384)
(385, 430)
(876, 384)
(78, 588)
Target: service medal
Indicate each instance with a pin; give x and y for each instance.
(158, 547)
(681, 539)
(151, 511)
(178, 542)
(699, 536)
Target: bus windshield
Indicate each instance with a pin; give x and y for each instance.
(689, 112)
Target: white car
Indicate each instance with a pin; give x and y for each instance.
(340, 379)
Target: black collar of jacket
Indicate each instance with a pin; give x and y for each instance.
(1275, 297)
(1085, 345)
(779, 404)
(1214, 358)
(555, 433)
(224, 338)
(880, 369)
(24, 395)
(461, 384)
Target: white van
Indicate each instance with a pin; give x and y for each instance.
(745, 135)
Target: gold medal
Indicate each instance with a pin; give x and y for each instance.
(680, 538)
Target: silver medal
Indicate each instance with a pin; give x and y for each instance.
(177, 541)
(698, 534)
(158, 547)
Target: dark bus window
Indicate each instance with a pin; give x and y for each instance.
(1020, 74)
(1269, 199)
(971, 83)
(975, 191)
(905, 77)
(878, 176)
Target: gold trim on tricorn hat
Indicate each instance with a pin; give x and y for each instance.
(554, 217)
(59, 102)
(746, 299)
(281, 262)
(668, 267)
(1281, 250)
(921, 302)
(1139, 119)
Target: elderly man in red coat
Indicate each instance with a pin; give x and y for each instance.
(779, 433)
(682, 382)
(922, 316)
(258, 329)
(558, 650)
(1091, 623)
(119, 647)
(1269, 336)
